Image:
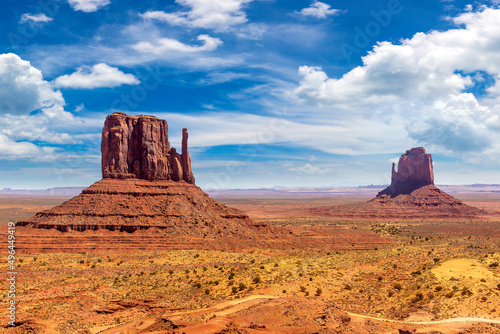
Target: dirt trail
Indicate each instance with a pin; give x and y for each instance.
(432, 322)
(234, 306)
(224, 308)
(225, 305)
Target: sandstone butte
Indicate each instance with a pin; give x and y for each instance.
(412, 185)
(146, 184)
(411, 195)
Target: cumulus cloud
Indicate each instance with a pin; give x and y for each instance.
(35, 18)
(24, 89)
(220, 15)
(423, 81)
(28, 107)
(319, 10)
(168, 45)
(23, 150)
(97, 76)
(88, 6)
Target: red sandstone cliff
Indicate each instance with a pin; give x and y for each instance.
(146, 184)
(138, 147)
(414, 171)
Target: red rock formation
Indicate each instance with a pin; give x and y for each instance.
(186, 160)
(411, 195)
(414, 171)
(146, 184)
(138, 147)
(131, 204)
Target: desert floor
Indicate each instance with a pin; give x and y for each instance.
(377, 276)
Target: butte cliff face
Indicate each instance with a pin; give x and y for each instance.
(146, 184)
(414, 171)
(411, 195)
(138, 147)
(412, 189)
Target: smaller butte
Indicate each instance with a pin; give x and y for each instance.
(411, 195)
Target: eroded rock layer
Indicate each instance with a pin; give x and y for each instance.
(133, 204)
(146, 186)
(411, 195)
(427, 202)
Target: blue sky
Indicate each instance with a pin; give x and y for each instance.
(274, 93)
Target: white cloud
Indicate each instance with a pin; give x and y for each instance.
(35, 18)
(319, 10)
(252, 31)
(29, 110)
(24, 90)
(220, 15)
(97, 76)
(355, 136)
(214, 78)
(79, 107)
(23, 150)
(422, 83)
(168, 45)
(310, 169)
(88, 6)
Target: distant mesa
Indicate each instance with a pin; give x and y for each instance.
(146, 184)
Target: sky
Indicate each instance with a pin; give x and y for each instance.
(274, 93)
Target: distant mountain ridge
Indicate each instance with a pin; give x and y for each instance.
(367, 190)
(57, 191)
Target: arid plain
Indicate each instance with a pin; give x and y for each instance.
(357, 276)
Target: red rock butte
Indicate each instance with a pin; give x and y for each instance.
(412, 187)
(411, 195)
(146, 184)
(414, 171)
(138, 147)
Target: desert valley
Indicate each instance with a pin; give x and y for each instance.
(144, 250)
